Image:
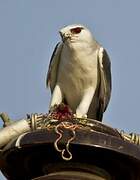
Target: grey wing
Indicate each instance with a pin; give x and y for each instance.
(53, 67)
(105, 78)
(103, 90)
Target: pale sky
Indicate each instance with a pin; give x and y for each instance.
(29, 33)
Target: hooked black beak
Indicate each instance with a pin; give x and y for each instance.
(64, 36)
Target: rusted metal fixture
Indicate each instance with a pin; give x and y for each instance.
(13, 129)
(69, 149)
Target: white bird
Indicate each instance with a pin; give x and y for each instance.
(79, 73)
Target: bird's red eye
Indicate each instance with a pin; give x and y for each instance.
(76, 30)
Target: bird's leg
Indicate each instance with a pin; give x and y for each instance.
(82, 109)
(56, 96)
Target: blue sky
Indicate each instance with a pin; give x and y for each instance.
(29, 33)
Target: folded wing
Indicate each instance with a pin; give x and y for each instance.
(53, 67)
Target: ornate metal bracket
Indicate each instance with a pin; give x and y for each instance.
(36, 121)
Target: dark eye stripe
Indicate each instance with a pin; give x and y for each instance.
(76, 30)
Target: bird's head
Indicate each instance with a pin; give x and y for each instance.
(75, 33)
